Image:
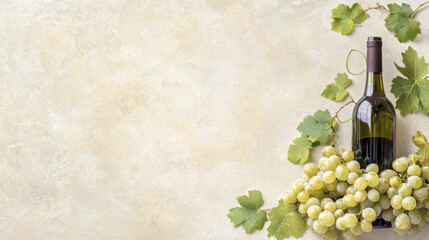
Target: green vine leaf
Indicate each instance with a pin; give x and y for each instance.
(345, 17)
(299, 150)
(249, 214)
(336, 91)
(286, 223)
(400, 22)
(317, 127)
(412, 92)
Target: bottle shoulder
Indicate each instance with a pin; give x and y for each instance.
(374, 103)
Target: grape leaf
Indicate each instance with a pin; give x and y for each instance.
(299, 150)
(413, 91)
(345, 17)
(399, 21)
(286, 223)
(249, 214)
(336, 91)
(317, 127)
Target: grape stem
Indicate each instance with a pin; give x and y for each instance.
(415, 10)
(378, 6)
(337, 118)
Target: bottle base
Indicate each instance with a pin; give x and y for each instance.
(380, 223)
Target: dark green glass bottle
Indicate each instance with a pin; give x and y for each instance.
(374, 121)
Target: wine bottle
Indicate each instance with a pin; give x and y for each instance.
(374, 121)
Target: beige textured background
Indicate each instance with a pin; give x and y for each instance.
(144, 120)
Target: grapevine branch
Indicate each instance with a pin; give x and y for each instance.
(421, 5)
(378, 6)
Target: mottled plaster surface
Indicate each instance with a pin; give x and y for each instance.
(143, 120)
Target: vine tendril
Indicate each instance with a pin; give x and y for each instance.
(347, 62)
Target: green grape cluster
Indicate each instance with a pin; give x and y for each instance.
(337, 195)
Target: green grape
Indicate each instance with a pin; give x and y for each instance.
(353, 166)
(326, 218)
(332, 186)
(322, 161)
(341, 172)
(421, 194)
(320, 174)
(348, 156)
(409, 203)
(351, 189)
(398, 212)
(297, 187)
(384, 202)
(396, 201)
(336, 159)
(352, 177)
(311, 169)
(387, 174)
(388, 215)
(312, 202)
(310, 223)
(402, 222)
(425, 172)
(355, 209)
(319, 228)
(413, 230)
(422, 222)
(405, 190)
(302, 209)
(318, 193)
(372, 168)
(329, 151)
(339, 224)
(395, 181)
(391, 192)
(360, 196)
(357, 229)
(373, 195)
(414, 181)
(338, 213)
(329, 177)
(325, 187)
(361, 183)
(373, 179)
(369, 214)
(366, 204)
(377, 208)
(289, 197)
(308, 188)
(414, 170)
(349, 220)
(398, 231)
(383, 185)
(342, 188)
(329, 165)
(314, 211)
(426, 215)
(303, 196)
(348, 235)
(349, 200)
(415, 217)
(339, 203)
(330, 235)
(400, 164)
(316, 182)
(325, 201)
(330, 206)
(366, 226)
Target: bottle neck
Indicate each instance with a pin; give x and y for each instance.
(374, 84)
(374, 78)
